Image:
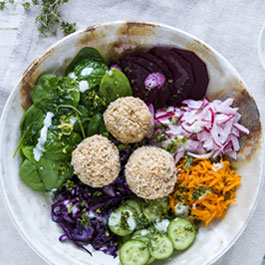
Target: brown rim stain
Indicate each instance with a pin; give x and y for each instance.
(250, 115)
(132, 28)
(128, 39)
(29, 78)
(92, 33)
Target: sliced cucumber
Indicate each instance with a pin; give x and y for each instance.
(154, 209)
(124, 239)
(133, 204)
(122, 221)
(161, 246)
(151, 260)
(146, 239)
(141, 232)
(152, 213)
(134, 252)
(182, 233)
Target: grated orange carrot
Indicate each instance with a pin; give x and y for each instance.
(205, 188)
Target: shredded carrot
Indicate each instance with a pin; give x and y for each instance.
(205, 188)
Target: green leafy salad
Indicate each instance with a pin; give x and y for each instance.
(87, 141)
(66, 110)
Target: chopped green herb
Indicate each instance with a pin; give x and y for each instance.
(84, 220)
(188, 163)
(68, 28)
(2, 5)
(26, 5)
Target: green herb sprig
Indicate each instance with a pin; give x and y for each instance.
(49, 16)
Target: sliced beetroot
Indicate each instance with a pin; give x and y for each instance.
(167, 72)
(137, 75)
(161, 93)
(182, 74)
(200, 73)
(149, 66)
(158, 62)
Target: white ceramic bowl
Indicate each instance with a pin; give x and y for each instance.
(31, 211)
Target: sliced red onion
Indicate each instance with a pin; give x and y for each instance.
(241, 128)
(211, 128)
(207, 155)
(154, 80)
(178, 155)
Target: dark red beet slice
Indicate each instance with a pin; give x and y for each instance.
(200, 73)
(137, 75)
(162, 93)
(160, 63)
(183, 76)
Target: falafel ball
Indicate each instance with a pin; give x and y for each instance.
(96, 161)
(128, 119)
(151, 172)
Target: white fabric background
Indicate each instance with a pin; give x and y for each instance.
(230, 26)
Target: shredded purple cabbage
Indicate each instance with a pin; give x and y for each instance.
(83, 211)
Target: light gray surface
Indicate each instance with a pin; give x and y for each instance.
(230, 26)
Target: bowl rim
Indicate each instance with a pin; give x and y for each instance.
(7, 203)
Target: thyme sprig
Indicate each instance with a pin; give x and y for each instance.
(49, 16)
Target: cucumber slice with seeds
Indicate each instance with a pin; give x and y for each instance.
(161, 246)
(122, 221)
(151, 260)
(182, 233)
(141, 232)
(146, 239)
(133, 204)
(134, 252)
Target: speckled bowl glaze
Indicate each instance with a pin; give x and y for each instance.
(31, 211)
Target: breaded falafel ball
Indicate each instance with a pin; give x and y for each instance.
(128, 119)
(96, 161)
(151, 172)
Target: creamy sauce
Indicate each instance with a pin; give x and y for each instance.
(162, 226)
(83, 85)
(115, 219)
(217, 166)
(181, 209)
(72, 75)
(202, 196)
(86, 71)
(73, 120)
(110, 73)
(37, 151)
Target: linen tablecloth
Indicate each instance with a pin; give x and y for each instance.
(230, 26)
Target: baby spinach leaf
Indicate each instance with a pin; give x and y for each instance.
(114, 84)
(45, 89)
(68, 91)
(29, 174)
(33, 118)
(54, 173)
(86, 53)
(93, 102)
(90, 71)
(21, 141)
(59, 146)
(96, 125)
(28, 152)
